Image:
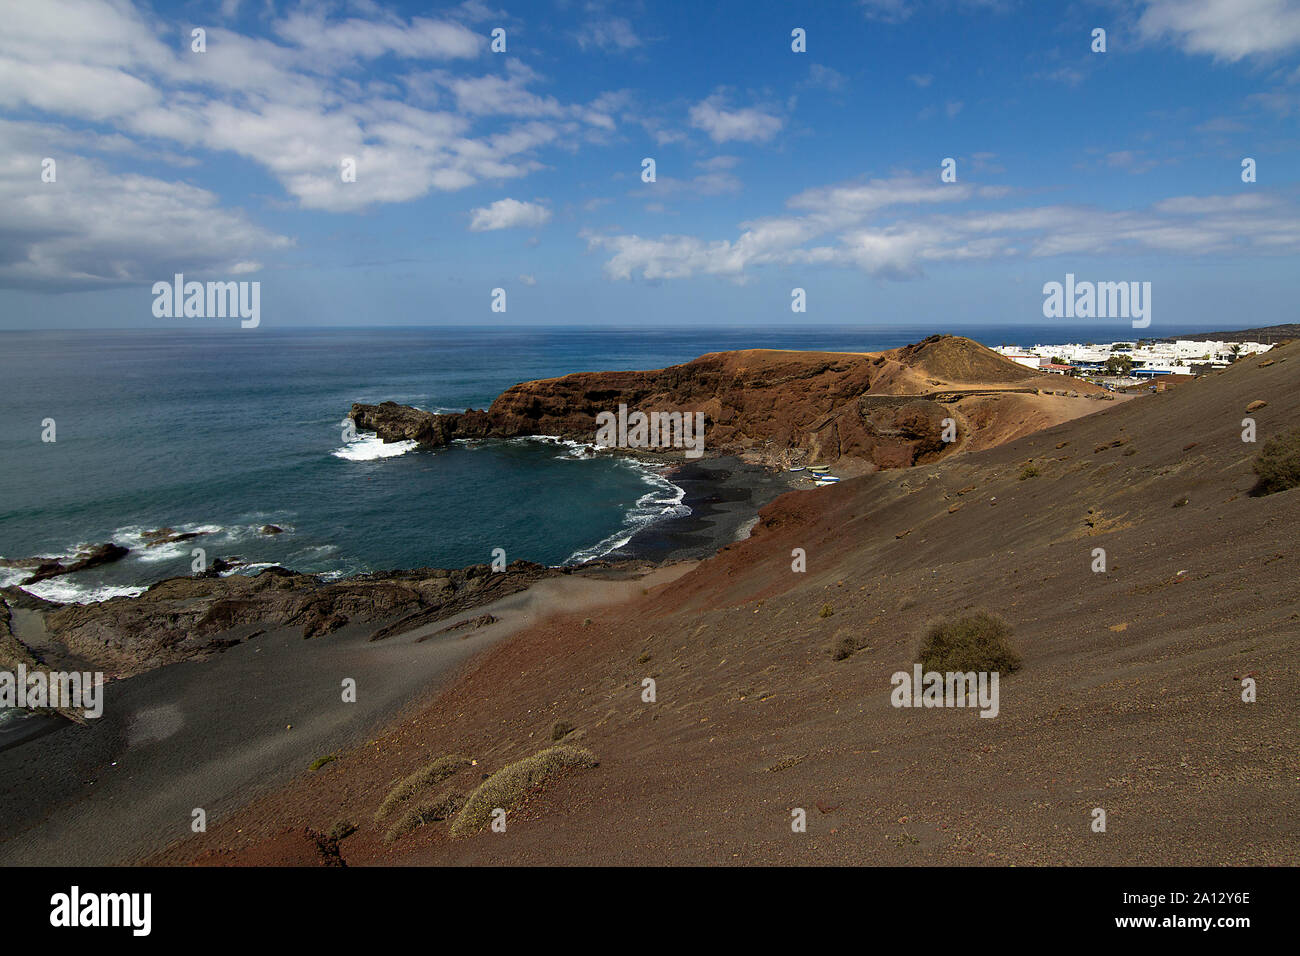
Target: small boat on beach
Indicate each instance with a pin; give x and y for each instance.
(797, 468)
(819, 469)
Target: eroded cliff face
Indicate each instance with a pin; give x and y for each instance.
(862, 410)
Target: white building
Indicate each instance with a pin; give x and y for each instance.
(1158, 358)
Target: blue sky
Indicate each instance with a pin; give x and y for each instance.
(775, 169)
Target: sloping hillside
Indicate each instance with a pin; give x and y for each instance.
(773, 687)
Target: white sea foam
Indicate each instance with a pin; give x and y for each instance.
(65, 591)
(573, 450)
(368, 447)
(10, 576)
(664, 501)
(248, 569)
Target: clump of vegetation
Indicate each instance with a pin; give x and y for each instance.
(321, 761)
(644, 658)
(1029, 471)
(785, 763)
(442, 807)
(561, 729)
(826, 611)
(973, 642)
(427, 776)
(342, 829)
(846, 645)
(1277, 466)
(510, 786)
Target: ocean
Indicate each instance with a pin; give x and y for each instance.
(224, 432)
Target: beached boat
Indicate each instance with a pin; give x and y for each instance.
(819, 469)
(797, 468)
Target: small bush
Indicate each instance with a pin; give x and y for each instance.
(1029, 471)
(442, 807)
(1278, 464)
(321, 761)
(561, 729)
(844, 649)
(973, 642)
(510, 786)
(826, 611)
(342, 829)
(404, 789)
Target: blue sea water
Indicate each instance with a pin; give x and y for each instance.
(226, 431)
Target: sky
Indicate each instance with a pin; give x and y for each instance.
(524, 169)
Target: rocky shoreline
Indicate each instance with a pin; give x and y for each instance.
(764, 411)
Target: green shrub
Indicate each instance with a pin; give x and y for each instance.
(973, 642)
(1029, 471)
(1277, 466)
(510, 786)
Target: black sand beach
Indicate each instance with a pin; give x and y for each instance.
(210, 734)
(724, 495)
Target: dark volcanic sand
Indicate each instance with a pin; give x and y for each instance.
(724, 495)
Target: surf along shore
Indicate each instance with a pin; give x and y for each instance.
(219, 701)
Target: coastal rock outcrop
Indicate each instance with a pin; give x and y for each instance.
(187, 617)
(775, 407)
(43, 568)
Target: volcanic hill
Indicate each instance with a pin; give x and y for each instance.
(864, 410)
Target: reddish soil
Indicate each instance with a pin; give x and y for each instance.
(1129, 700)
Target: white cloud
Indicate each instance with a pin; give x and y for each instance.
(508, 214)
(1225, 29)
(612, 34)
(888, 11)
(880, 228)
(825, 77)
(748, 125)
(93, 228)
(295, 105)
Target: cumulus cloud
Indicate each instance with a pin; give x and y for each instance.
(748, 125)
(1228, 30)
(295, 104)
(508, 214)
(93, 228)
(881, 228)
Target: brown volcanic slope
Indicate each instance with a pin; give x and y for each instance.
(1129, 699)
(881, 410)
